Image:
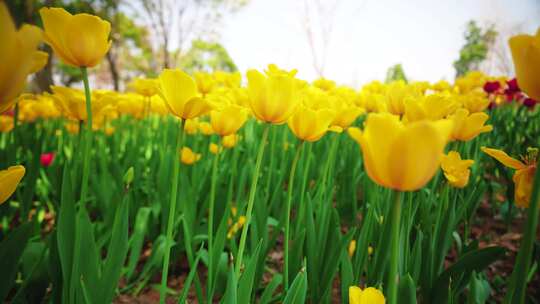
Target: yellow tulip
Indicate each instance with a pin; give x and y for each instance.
(432, 107)
(526, 56)
(205, 82)
(39, 60)
(274, 97)
(18, 57)
(213, 148)
(401, 156)
(144, 87)
(189, 157)
(455, 169)
(324, 84)
(6, 123)
(191, 126)
(179, 91)
(352, 248)
(345, 116)
(310, 125)
(236, 226)
(72, 127)
(369, 295)
(9, 179)
(467, 127)
(229, 141)
(206, 128)
(228, 120)
(396, 95)
(524, 176)
(80, 40)
(475, 101)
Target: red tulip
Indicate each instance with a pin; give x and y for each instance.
(492, 86)
(47, 159)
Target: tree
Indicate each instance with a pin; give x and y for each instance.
(475, 50)
(395, 72)
(207, 56)
(175, 23)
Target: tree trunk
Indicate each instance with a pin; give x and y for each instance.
(115, 75)
(43, 79)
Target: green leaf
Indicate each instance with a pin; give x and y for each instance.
(230, 293)
(245, 285)
(116, 253)
(475, 260)
(266, 296)
(191, 275)
(11, 250)
(89, 261)
(407, 290)
(65, 232)
(137, 239)
(297, 291)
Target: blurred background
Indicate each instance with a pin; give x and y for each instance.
(349, 41)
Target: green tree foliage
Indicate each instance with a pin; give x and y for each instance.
(395, 72)
(207, 56)
(477, 44)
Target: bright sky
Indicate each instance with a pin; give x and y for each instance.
(368, 35)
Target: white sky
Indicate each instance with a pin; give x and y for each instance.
(368, 35)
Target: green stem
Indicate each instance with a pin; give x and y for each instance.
(172, 210)
(330, 160)
(252, 192)
(518, 280)
(211, 224)
(88, 138)
(288, 214)
(394, 252)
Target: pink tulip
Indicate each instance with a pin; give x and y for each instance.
(47, 159)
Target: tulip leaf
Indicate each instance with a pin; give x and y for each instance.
(245, 284)
(11, 250)
(298, 290)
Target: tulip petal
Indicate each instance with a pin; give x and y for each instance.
(503, 158)
(176, 88)
(55, 21)
(416, 155)
(355, 294)
(525, 51)
(9, 179)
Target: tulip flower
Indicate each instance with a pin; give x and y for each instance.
(179, 91)
(6, 123)
(274, 97)
(9, 179)
(213, 148)
(352, 248)
(526, 56)
(46, 159)
(228, 120)
(188, 157)
(401, 156)
(144, 87)
(524, 176)
(229, 141)
(345, 116)
(369, 295)
(205, 128)
(310, 125)
(19, 57)
(205, 82)
(467, 127)
(191, 126)
(80, 40)
(455, 169)
(474, 102)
